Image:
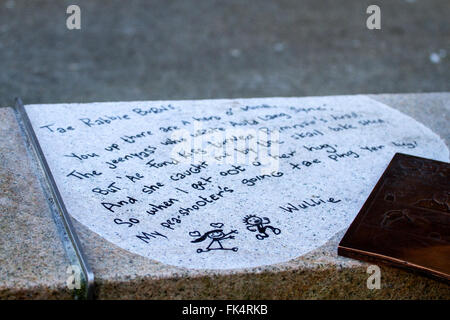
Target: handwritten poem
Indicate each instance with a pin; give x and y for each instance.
(221, 184)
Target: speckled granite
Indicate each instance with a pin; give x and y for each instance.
(320, 274)
(32, 258)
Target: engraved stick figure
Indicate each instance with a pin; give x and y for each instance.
(255, 223)
(217, 236)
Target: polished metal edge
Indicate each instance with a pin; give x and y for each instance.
(58, 201)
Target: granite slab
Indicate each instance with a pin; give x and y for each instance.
(319, 274)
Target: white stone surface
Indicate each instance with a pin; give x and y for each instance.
(325, 156)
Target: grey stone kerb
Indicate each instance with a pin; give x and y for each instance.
(34, 260)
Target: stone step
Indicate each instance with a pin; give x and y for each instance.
(35, 253)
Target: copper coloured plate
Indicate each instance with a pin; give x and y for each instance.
(406, 219)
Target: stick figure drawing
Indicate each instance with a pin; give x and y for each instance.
(260, 225)
(216, 236)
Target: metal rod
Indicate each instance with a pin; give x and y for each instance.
(87, 271)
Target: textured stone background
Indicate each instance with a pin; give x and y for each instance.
(193, 49)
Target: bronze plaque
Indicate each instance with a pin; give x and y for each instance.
(405, 222)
